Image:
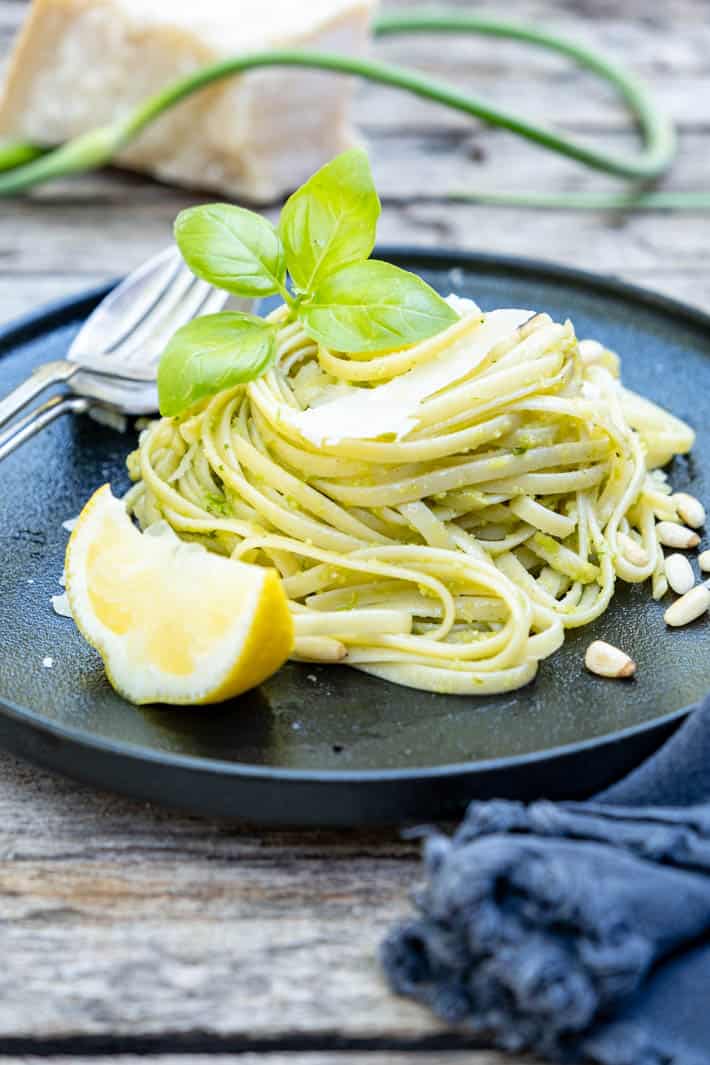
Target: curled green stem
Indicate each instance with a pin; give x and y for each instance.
(641, 200)
(18, 153)
(100, 146)
(93, 149)
(656, 128)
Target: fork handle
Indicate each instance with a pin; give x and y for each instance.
(51, 373)
(34, 422)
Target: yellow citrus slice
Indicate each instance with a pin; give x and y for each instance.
(172, 622)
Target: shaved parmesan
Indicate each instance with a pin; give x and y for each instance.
(391, 408)
(462, 305)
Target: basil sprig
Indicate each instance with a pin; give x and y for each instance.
(210, 354)
(331, 221)
(232, 248)
(317, 260)
(370, 306)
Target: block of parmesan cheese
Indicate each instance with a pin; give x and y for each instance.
(79, 64)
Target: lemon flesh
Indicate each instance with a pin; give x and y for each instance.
(172, 622)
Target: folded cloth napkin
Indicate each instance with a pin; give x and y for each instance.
(580, 931)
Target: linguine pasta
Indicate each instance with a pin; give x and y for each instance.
(451, 550)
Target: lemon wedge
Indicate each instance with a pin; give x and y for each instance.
(172, 622)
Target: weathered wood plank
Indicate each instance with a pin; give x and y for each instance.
(49, 818)
(433, 165)
(407, 165)
(588, 241)
(86, 235)
(545, 86)
(670, 13)
(21, 295)
(567, 101)
(339, 1057)
(255, 978)
(120, 919)
(103, 242)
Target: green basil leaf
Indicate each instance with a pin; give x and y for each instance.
(374, 306)
(330, 221)
(232, 248)
(210, 354)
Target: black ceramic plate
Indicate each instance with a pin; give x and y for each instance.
(318, 745)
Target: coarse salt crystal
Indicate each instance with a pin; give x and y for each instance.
(111, 418)
(60, 605)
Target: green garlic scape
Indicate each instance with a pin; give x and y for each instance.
(317, 260)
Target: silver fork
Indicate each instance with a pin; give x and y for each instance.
(112, 362)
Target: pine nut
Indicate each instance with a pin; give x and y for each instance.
(632, 550)
(689, 607)
(659, 585)
(704, 561)
(671, 534)
(690, 510)
(608, 661)
(679, 573)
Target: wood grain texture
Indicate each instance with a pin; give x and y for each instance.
(125, 924)
(464, 1057)
(136, 932)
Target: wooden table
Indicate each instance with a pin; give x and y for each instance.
(129, 930)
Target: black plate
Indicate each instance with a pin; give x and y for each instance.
(319, 745)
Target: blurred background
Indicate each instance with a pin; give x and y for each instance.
(80, 231)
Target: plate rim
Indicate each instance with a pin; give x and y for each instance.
(25, 327)
(135, 752)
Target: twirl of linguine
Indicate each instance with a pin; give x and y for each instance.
(451, 552)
